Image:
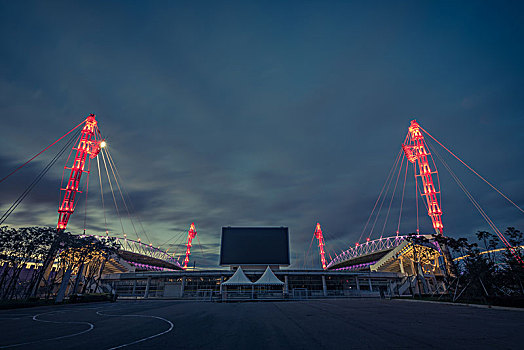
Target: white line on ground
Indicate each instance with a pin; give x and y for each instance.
(171, 326)
(35, 318)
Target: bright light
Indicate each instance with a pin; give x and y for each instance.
(103, 144)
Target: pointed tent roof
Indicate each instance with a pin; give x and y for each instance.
(268, 278)
(239, 278)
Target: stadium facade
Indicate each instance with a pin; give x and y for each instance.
(379, 269)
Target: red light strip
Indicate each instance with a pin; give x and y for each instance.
(86, 145)
(320, 237)
(190, 235)
(416, 153)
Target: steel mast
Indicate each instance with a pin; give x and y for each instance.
(190, 235)
(87, 145)
(416, 151)
(320, 238)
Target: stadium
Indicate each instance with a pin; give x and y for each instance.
(257, 270)
(254, 261)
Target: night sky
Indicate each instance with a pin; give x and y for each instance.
(264, 113)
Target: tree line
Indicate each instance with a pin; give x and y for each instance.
(52, 254)
(477, 273)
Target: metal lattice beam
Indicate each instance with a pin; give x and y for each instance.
(138, 247)
(369, 247)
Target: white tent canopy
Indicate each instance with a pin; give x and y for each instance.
(268, 279)
(239, 278)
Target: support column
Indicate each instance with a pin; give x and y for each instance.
(99, 274)
(435, 283)
(370, 285)
(220, 286)
(286, 285)
(425, 288)
(146, 294)
(401, 264)
(78, 278)
(134, 289)
(182, 285)
(358, 284)
(65, 281)
(324, 286)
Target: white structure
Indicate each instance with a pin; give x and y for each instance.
(239, 278)
(268, 279)
(233, 286)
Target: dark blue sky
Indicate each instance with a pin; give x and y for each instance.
(265, 113)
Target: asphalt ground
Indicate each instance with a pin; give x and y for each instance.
(317, 324)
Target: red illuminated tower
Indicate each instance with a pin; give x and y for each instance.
(320, 237)
(190, 235)
(87, 145)
(416, 151)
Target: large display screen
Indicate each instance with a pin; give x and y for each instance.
(254, 246)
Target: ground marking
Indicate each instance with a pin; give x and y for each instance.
(35, 318)
(171, 326)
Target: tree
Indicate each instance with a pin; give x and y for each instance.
(18, 247)
(42, 246)
(483, 275)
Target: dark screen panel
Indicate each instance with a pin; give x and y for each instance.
(254, 245)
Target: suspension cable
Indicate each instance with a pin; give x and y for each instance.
(200, 245)
(471, 169)
(402, 200)
(480, 210)
(113, 192)
(416, 194)
(128, 197)
(385, 193)
(331, 239)
(39, 153)
(178, 242)
(392, 196)
(436, 172)
(331, 246)
(310, 244)
(121, 195)
(173, 237)
(63, 174)
(376, 202)
(102, 194)
(87, 190)
(469, 195)
(42, 173)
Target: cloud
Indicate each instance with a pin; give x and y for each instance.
(261, 115)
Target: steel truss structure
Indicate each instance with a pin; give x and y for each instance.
(416, 152)
(148, 250)
(190, 235)
(368, 247)
(320, 238)
(88, 145)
